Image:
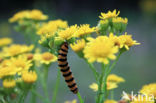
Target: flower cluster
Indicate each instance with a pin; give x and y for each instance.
(49, 29)
(149, 89)
(17, 66)
(112, 82)
(147, 94)
(14, 62)
(28, 14)
(110, 22)
(22, 65)
(109, 43)
(103, 48)
(5, 41)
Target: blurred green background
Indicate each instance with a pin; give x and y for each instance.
(138, 66)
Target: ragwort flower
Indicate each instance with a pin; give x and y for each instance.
(16, 49)
(120, 20)
(110, 101)
(28, 14)
(68, 33)
(8, 71)
(78, 45)
(149, 89)
(9, 83)
(127, 41)
(73, 101)
(21, 62)
(110, 86)
(49, 29)
(29, 76)
(5, 41)
(45, 58)
(115, 39)
(109, 14)
(37, 15)
(83, 30)
(114, 78)
(100, 49)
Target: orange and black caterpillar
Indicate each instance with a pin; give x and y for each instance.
(65, 69)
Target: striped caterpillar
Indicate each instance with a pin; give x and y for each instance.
(65, 69)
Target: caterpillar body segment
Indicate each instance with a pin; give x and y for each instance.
(65, 69)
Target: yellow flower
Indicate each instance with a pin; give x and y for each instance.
(21, 62)
(73, 101)
(78, 46)
(16, 49)
(28, 14)
(127, 41)
(19, 15)
(68, 33)
(37, 15)
(60, 23)
(110, 101)
(84, 30)
(117, 41)
(42, 39)
(49, 29)
(149, 89)
(45, 58)
(9, 83)
(100, 49)
(5, 63)
(120, 20)
(109, 14)
(29, 76)
(94, 87)
(5, 41)
(114, 78)
(104, 21)
(8, 71)
(110, 86)
(14, 65)
(1, 56)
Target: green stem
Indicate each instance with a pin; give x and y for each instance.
(46, 70)
(105, 87)
(56, 87)
(44, 85)
(107, 72)
(45, 91)
(23, 96)
(80, 98)
(44, 82)
(37, 94)
(100, 86)
(114, 63)
(33, 98)
(96, 74)
(112, 94)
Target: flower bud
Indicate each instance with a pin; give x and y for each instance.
(102, 27)
(44, 41)
(9, 83)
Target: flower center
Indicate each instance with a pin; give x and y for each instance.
(101, 50)
(47, 56)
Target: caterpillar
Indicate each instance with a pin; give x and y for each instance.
(65, 69)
